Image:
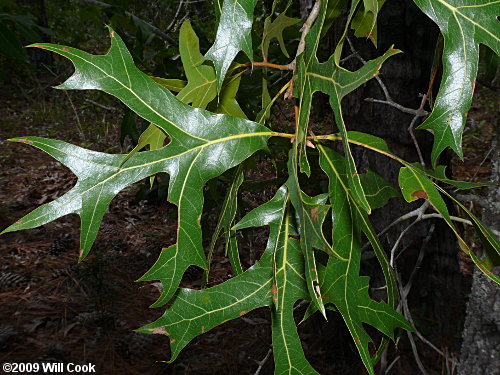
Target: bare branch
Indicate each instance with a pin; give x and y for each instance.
(410, 130)
(174, 20)
(263, 362)
(388, 100)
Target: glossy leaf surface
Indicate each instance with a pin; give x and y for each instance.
(203, 145)
(341, 283)
(233, 36)
(464, 24)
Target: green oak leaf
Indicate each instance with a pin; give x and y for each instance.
(464, 24)
(201, 87)
(203, 145)
(415, 184)
(439, 173)
(290, 287)
(170, 84)
(227, 99)
(193, 312)
(340, 45)
(377, 190)
(302, 86)
(341, 283)
(154, 137)
(336, 82)
(225, 222)
(311, 213)
(364, 22)
(274, 29)
(271, 213)
(233, 36)
(333, 11)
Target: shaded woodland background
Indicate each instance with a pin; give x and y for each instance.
(53, 309)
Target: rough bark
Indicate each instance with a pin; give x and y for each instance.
(481, 345)
(438, 293)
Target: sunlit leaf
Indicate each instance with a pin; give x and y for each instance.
(203, 145)
(233, 36)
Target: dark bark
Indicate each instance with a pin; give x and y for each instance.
(481, 346)
(438, 293)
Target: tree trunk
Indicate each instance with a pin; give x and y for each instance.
(438, 297)
(480, 348)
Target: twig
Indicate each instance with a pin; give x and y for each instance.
(405, 290)
(483, 202)
(153, 28)
(78, 123)
(266, 64)
(439, 216)
(392, 364)
(482, 162)
(302, 44)
(417, 212)
(388, 100)
(174, 20)
(111, 109)
(305, 30)
(263, 362)
(410, 130)
(400, 237)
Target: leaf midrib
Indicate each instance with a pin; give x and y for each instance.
(209, 143)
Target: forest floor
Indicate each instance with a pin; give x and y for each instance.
(55, 310)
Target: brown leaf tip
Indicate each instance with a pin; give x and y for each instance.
(420, 194)
(112, 33)
(242, 312)
(38, 46)
(202, 329)
(159, 331)
(394, 50)
(24, 140)
(19, 222)
(81, 253)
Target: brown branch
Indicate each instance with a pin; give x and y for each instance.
(266, 64)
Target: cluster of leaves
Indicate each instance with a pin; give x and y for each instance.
(301, 261)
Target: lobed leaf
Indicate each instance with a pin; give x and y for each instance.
(233, 36)
(464, 24)
(203, 145)
(416, 185)
(201, 87)
(274, 29)
(341, 283)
